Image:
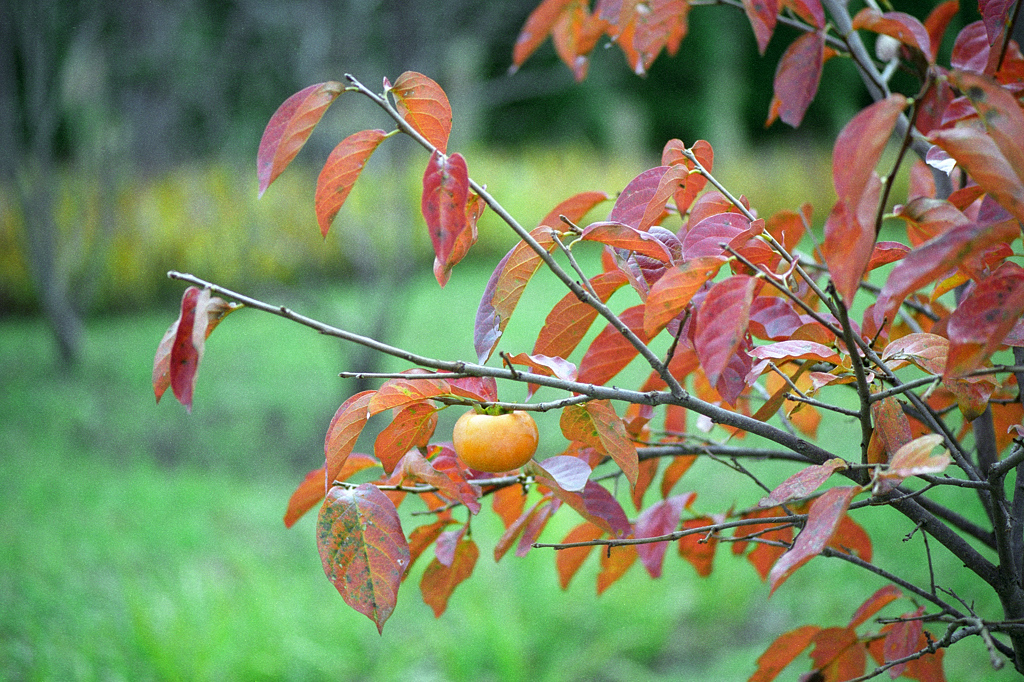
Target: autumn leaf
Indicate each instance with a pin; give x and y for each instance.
(782, 652)
(568, 322)
(412, 426)
(343, 432)
(537, 28)
(401, 392)
(595, 504)
(621, 236)
(697, 548)
(444, 205)
(440, 580)
(874, 604)
(721, 323)
(659, 519)
(504, 289)
(340, 172)
(363, 549)
(983, 319)
(596, 424)
(610, 351)
(675, 289)
(183, 347)
(631, 204)
(424, 106)
(570, 473)
(306, 496)
(797, 78)
(672, 155)
(614, 564)
(905, 28)
(290, 127)
(569, 560)
(803, 483)
(762, 15)
(444, 472)
(913, 459)
(859, 147)
(822, 520)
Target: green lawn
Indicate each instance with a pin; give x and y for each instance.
(143, 543)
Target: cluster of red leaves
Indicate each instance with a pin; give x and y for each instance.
(725, 285)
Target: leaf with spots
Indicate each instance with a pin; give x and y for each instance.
(445, 205)
(290, 127)
(424, 106)
(762, 15)
(363, 549)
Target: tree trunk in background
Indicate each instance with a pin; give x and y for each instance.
(30, 81)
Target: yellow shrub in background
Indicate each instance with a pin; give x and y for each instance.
(118, 238)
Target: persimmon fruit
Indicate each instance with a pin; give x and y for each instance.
(493, 443)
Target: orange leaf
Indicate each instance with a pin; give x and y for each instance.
(424, 106)
(610, 351)
(675, 289)
(398, 393)
(290, 127)
(537, 28)
(305, 497)
(363, 549)
(782, 652)
(695, 549)
(568, 322)
(439, 581)
(674, 471)
(614, 564)
(508, 503)
(569, 560)
(859, 147)
(343, 432)
(983, 319)
(411, 427)
(340, 172)
(874, 604)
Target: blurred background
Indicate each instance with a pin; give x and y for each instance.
(142, 543)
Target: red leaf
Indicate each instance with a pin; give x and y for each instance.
(399, 393)
(424, 106)
(675, 289)
(762, 15)
(340, 172)
(632, 203)
(660, 518)
(621, 236)
(810, 11)
(610, 351)
(796, 79)
(422, 537)
(903, 27)
(874, 604)
(934, 259)
(706, 237)
(575, 35)
(569, 560)
(937, 21)
(674, 471)
(343, 432)
(983, 319)
(803, 483)
(672, 155)
(475, 388)
(515, 529)
(1000, 113)
(892, 428)
(996, 15)
(763, 556)
(568, 322)
(860, 145)
(902, 640)
(822, 520)
(216, 310)
(838, 654)
(537, 28)
(504, 290)
(508, 503)
(290, 127)
(927, 351)
(981, 157)
(411, 427)
(662, 25)
(439, 581)
(190, 341)
(363, 549)
(444, 204)
(721, 324)
(782, 652)
(596, 425)
(927, 218)
(700, 553)
(849, 241)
